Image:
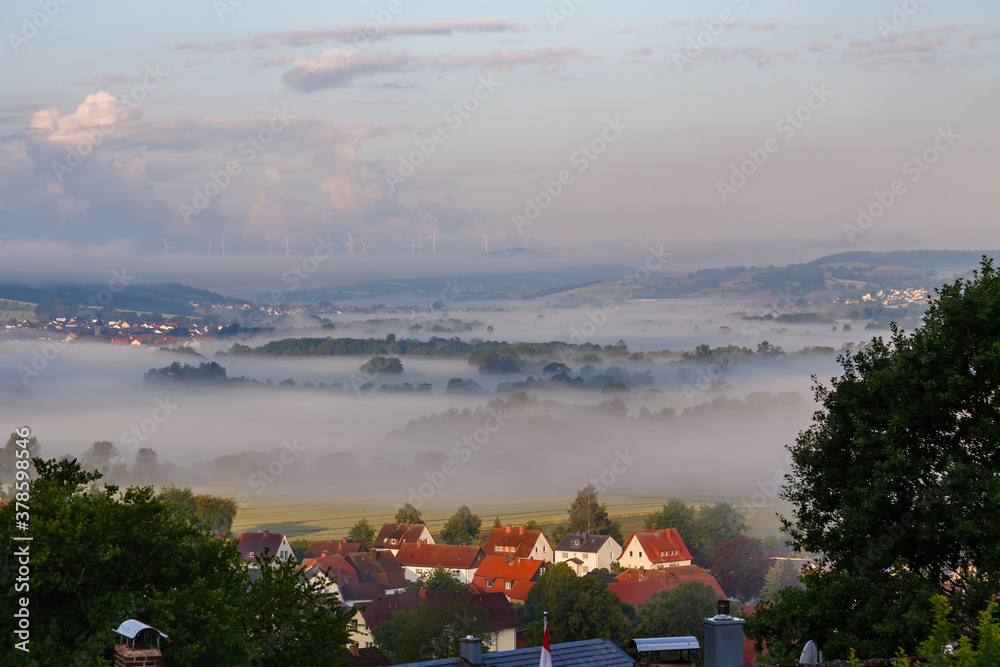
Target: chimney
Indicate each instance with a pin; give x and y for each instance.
(353, 648)
(508, 527)
(138, 655)
(265, 533)
(520, 530)
(723, 638)
(470, 649)
(421, 593)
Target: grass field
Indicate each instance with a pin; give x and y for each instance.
(312, 517)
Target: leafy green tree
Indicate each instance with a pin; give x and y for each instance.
(408, 513)
(381, 364)
(579, 608)
(8, 457)
(438, 579)
(430, 632)
(101, 457)
(300, 546)
(462, 527)
(496, 523)
(740, 566)
(146, 469)
(677, 612)
(216, 513)
(98, 558)
(675, 514)
(717, 523)
(588, 515)
(362, 530)
(892, 483)
(782, 574)
(531, 525)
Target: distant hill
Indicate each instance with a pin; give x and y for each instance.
(917, 259)
(170, 298)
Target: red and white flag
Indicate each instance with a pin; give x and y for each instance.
(546, 660)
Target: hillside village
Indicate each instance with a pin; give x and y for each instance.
(403, 569)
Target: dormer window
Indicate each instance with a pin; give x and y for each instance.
(392, 541)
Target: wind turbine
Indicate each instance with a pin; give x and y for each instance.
(434, 239)
(288, 246)
(420, 247)
(350, 244)
(270, 244)
(413, 246)
(166, 248)
(486, 242)
(566, 237)
(364, 248)
(210, 246)
(223, 245)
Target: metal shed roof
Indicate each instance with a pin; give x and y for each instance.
(666, 644)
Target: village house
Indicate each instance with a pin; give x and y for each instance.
(395, 534)
(253, 545)
(343, 546)
(509, 575)
(509, 541)
(655, 549)
(378, 567)
(421, 558)
(584, 552)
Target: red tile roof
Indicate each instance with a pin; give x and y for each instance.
(676, 572)
(656, 544)
(330, 547)
(499, 570)
(256, 543)
(521, 541)
(401, 532)
(637, 593)
(334, 566)
(451, 556)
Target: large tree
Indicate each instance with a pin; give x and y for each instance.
(462, 527)
(678, 612)
(408, 513)
(896, 483)
(740, 565)
(98, 557)
(588, 515)
(363, 530)
(430, 631)
(579, 608)
(702, 531)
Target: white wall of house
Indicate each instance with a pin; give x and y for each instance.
(633, 555)
(608, 552)
(542, 549)
(413, 572)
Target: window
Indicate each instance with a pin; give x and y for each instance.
(508, 585)
(392, 541)
(250, 554)
(640, 554)
(629, 554)
(489, 583)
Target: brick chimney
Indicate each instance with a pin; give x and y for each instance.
(265, 533)
(140, 655)
(508, 527)
(520, 530)
(421, 593)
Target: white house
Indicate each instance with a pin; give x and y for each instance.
(584, 552)
(421, 558)
(257, 544)
(519, 542)
(655, 549)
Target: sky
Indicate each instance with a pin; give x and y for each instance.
(731, 131)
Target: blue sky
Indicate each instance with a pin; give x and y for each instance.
(675, 126)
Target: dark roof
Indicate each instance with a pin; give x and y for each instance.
(582, 542)
(256, 543)
(361, 591)
(401, 532)
(448, 556)
(520, 540)
(586, 653)
(378, 567)
(608, 577)
(369, 657)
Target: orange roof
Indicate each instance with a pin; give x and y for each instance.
(637, 593)
(677, 572)
(520, 541)
(658, 544)
(400, 532)
(421, 554)
(511, 568)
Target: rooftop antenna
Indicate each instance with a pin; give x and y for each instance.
(223, 245)
(486, 242)
(433, 239)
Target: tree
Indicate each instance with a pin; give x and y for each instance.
(715, 524)
(677, 612)
(587, 515)
(98, 558)
(145, 470)
(892, 482)
(782, 574)
(380, 364)
(300, 546)
(216, 513)
(675, 514)
(462, 527)
(740, 565)
(8, 457)
(408, 513)
(362, 530)
(438, 579)
(496, 523)
(101, 457)
(579, 608)
(430, 632)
